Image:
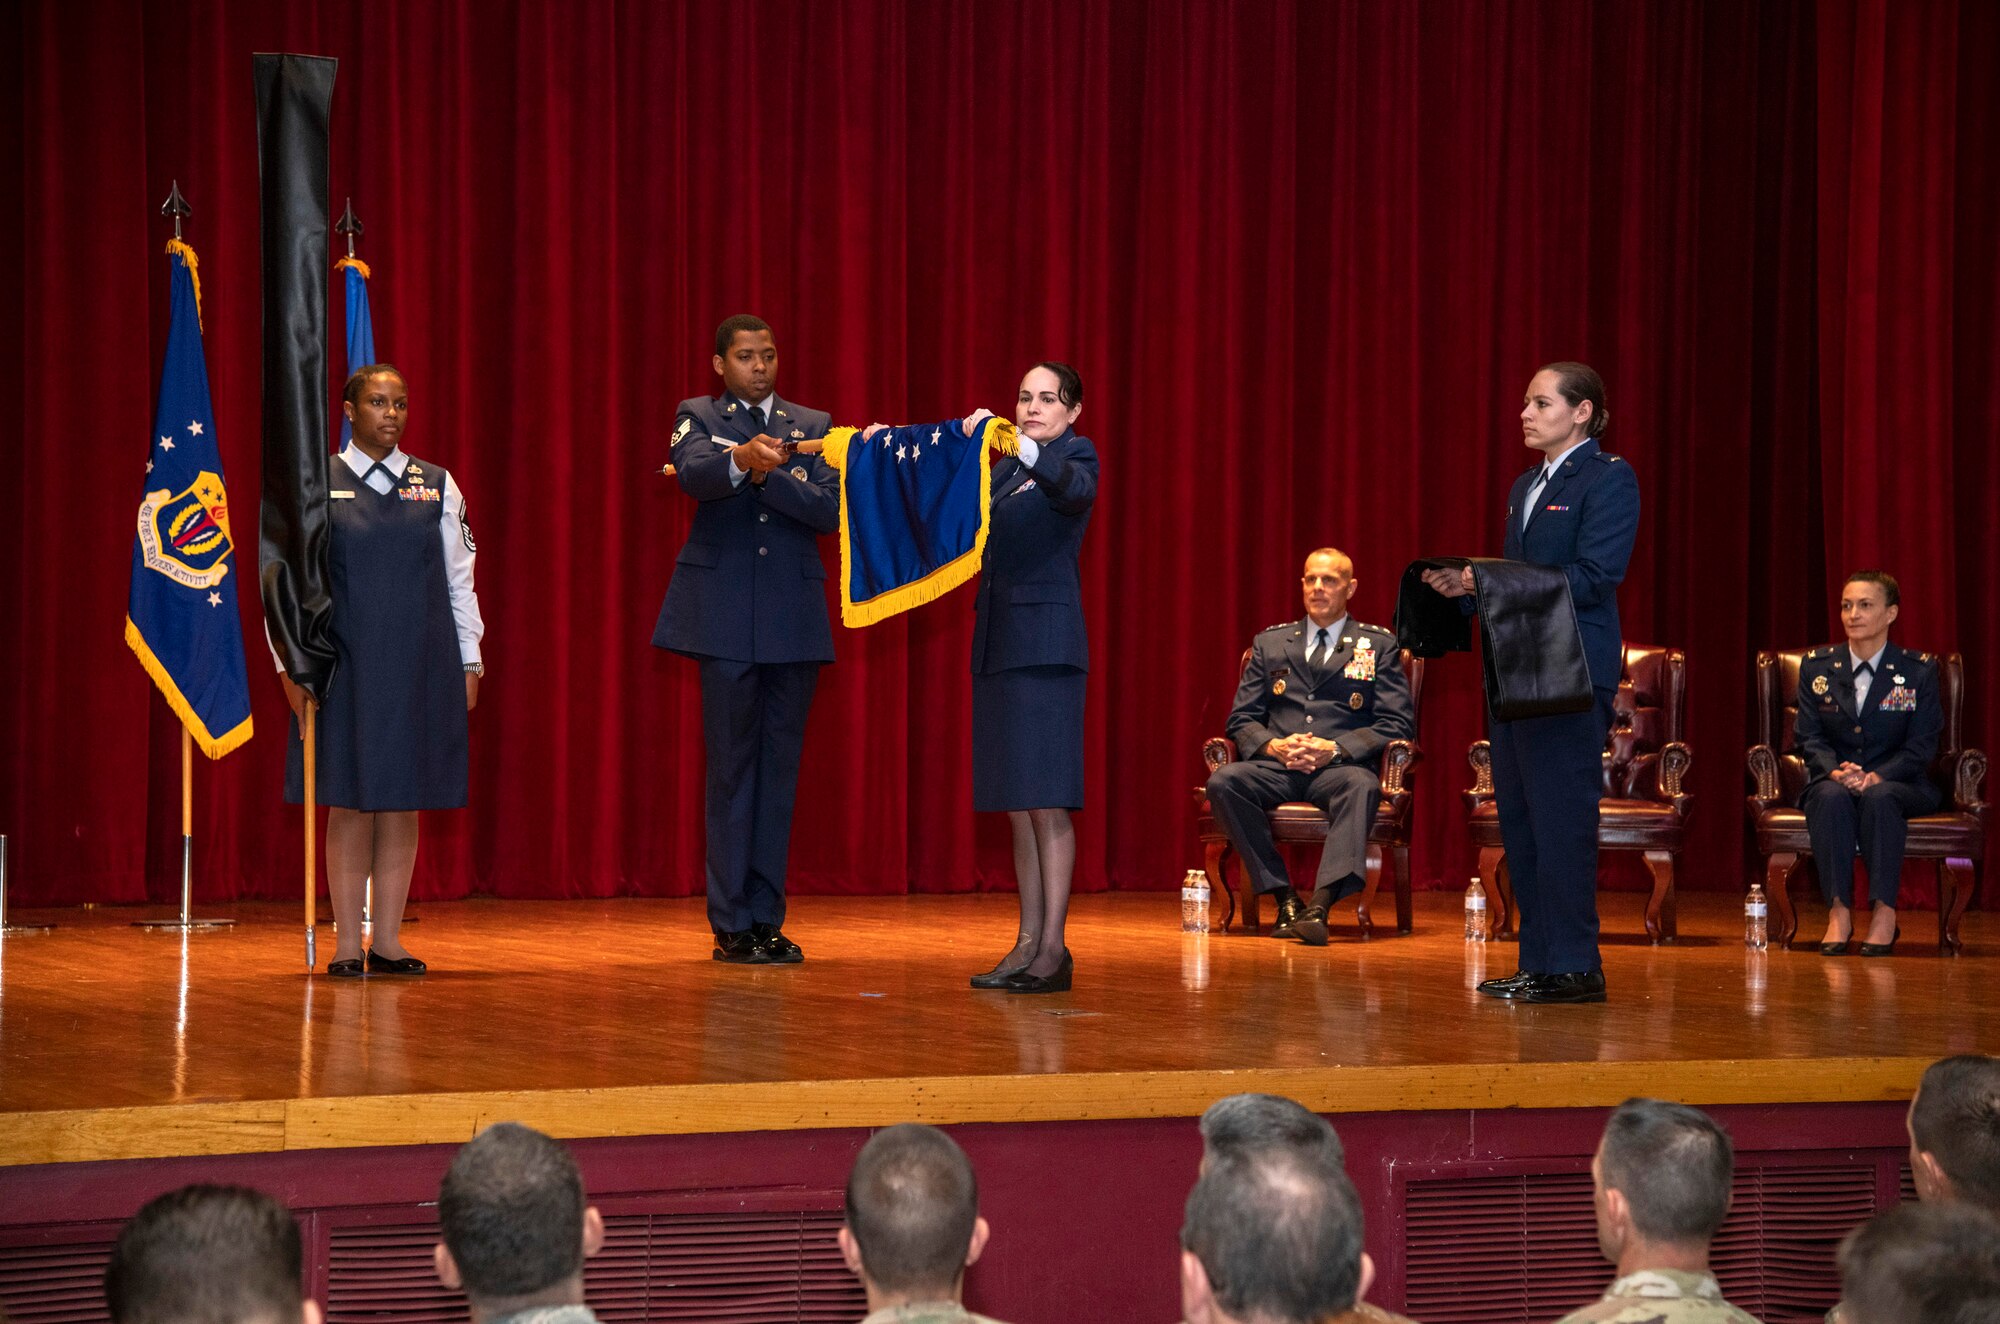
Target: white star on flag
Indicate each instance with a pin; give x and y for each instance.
(934, 435)
(194, 428)
(149, 466)
(166, 443)
(916, 453)
(215, 599)
(899, 454)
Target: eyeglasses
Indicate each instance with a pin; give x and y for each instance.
(1311, 581)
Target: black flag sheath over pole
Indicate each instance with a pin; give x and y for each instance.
(294, 104)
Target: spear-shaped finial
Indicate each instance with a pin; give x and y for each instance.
(176, 206)
(349, 224)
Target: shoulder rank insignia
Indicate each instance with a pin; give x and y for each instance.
(1819, 685)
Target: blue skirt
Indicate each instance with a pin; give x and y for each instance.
(1027, 739)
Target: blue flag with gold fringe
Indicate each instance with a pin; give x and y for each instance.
(914, 502)
(360, 329)
(181, 618)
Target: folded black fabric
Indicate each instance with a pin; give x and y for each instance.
(1533, 659)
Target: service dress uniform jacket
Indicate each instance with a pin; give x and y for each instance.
(1548, 771)
(1357, 697)
(1892, 732)
(748, 602)
(1030, 655)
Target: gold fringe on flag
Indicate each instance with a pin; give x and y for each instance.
(193, 265)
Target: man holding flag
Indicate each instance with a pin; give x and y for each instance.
(181, 617)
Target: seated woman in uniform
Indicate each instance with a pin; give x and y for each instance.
(1868, 722)
(406, 631)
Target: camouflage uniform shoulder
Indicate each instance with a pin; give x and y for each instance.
(1660, 1296)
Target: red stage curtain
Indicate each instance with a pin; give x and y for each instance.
(1306, 256)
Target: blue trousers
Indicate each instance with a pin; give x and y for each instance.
(753, 722)
(1243, 793)
(1877, 821)
(1548, 775)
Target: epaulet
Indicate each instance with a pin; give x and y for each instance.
(1819, 652)
(1281, 625)
(1927, 657)
(1606, 457)
(1374, 629)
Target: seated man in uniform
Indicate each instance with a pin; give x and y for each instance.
(1868, 722)
(1318, 701)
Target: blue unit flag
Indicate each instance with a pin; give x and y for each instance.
(181, 618)
(360, 328)
(913, 512)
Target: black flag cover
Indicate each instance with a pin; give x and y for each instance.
(294, 103)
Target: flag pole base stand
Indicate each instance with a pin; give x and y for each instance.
(183, 923)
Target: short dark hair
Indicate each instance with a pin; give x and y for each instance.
(1674, 1166)
(1956, 1119)
(511, 1213)
(221, 1254)
(1892, 595)
(1922, 1264)
(1579, 382)
(1069, 386)
(1279, 1234)
(351, 392)
(912, 1203)
(726, 333)
(1244, 1123)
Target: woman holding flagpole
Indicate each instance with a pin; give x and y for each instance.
(406, 631)
(1030, 661)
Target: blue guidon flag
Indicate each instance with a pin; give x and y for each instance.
(181, 618)
(913, 512)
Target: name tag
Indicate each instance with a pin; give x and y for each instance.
(339, 495)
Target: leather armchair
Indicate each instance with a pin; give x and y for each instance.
(1954, 837)
(1645, 805)
(1296, 821)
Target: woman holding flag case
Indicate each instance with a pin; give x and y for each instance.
(1030, 662)
(406, 630)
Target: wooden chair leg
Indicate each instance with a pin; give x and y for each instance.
(1778, 870)
(1401, 855)
(1956, 884)
(1499, 887)
(1213, 863)
(1371, 872)
(1660, 921)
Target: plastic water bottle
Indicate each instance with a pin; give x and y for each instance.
(1756, 928)
(1194, 902)
(1478, 927)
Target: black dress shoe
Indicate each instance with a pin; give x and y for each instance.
(779, 949)
(1055, 983)
(1311, 926)
(1584, 986)
(741, 948)
(1290, 908)
(998, 976)
(1506, 986)
(1835, 948)
(390, 965)
(1883, 948)
(348, 969)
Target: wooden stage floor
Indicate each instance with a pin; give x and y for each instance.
(609, 1018)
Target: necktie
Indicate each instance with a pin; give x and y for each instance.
(1534, 496)
(757, 417)
(1317, 658)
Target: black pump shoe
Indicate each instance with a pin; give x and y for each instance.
(390, 965)
(348, 969)
(1055, 983)
(1000, 975)
(1883, 948)
(1835, 948)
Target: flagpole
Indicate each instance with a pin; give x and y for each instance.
(5, 927)
(312, 822)
(185, 919)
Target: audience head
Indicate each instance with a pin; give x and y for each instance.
(515, 1227)
(1663, 1173)
(1955, 1132)
(208, 1255)
(1922, 1264)
(913, 1223)
(1273, 1235)
(1249, 1123)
